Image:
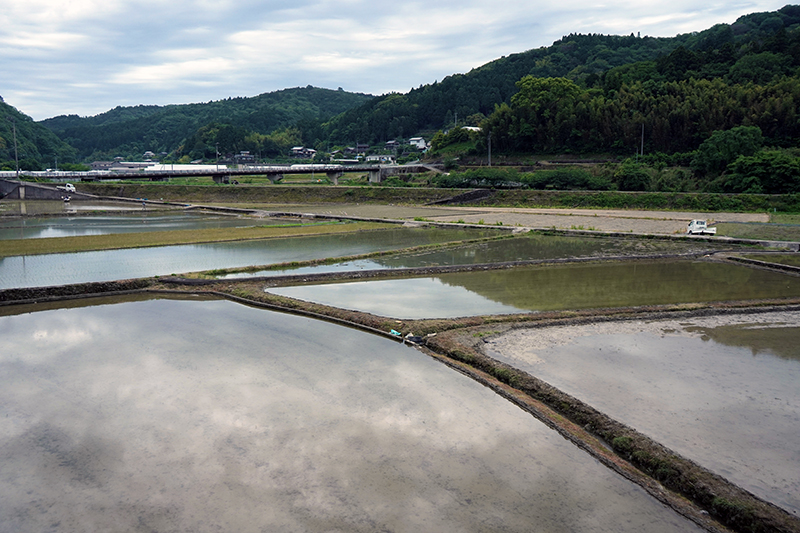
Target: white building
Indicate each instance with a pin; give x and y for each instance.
(418, 142)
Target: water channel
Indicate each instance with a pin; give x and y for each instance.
(551, 287)
(56, 269)
(196, 415)
(720, 390)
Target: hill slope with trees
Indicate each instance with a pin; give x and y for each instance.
(36, 146)
(755, 50)
(130, 131)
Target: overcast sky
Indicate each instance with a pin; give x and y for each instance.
(87, 56)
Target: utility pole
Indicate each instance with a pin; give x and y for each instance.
(490, 147)
(16, 157)
(642, 151)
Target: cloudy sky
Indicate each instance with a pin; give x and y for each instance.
(87, 56)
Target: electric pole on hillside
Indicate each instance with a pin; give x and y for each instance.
(490, 147)
(16, 157)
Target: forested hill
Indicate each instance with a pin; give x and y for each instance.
(756, 49)
(133, 130)
(37, 147)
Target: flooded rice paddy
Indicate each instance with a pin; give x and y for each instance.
(721, 390)
(551, 287)
(527, 247)
(145, 221)
(208, 415)
(56, 269)
(50, 207)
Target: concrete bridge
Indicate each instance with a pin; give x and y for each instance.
(376, 173)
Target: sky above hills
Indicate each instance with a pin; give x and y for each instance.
(87, 56)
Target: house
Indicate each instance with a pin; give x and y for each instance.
(301, 152)
(357, 149)
(244, 158)
(418, 142)
(102, 165)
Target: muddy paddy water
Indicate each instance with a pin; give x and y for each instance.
(57, 269)
(721, 391)
(551, 287)
(209, 415)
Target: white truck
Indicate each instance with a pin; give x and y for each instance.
(68, 187)
(699, 227)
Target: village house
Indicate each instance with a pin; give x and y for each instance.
(418, 142)
(301, 152)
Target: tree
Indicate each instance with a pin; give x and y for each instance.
(770, 172)
(545, 95)
(631, 176)
(723, 147)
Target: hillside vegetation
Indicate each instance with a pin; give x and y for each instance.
(36, 146)
(237, 124)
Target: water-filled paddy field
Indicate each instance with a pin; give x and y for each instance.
(551, 287)
(197, 414)
(144, 221)
(50, 207)
(526, 247)
(56, 269)
(719, 390)
(209, 415)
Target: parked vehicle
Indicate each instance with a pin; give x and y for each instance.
(67, 187)
(699, 227)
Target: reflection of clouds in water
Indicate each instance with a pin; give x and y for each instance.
(233, 417)
(50, 335)
(406, 298)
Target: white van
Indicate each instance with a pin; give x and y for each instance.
(699, 227)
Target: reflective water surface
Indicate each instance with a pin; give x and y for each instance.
(719, 390)
(57, 269)
(167, 415)
(527, 247)
(41, 207)
(550, 287)
(42, 227)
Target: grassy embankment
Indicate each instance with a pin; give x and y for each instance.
(287, 194)
(165, 238)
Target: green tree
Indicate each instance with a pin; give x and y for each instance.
(545, 95)
(631, 176)
(768, 171)
(723, 147)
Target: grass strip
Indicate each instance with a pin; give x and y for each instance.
(115, 241)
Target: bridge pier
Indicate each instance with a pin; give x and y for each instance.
(375, 176)
(274, 177)
(334, 176)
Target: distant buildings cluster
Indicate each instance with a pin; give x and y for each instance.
(351, 154)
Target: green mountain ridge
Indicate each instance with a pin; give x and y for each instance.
(134, 130)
